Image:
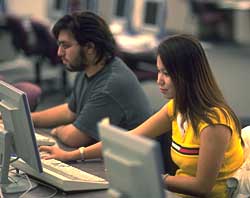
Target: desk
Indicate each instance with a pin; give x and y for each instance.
(95, 166)
(92, 166)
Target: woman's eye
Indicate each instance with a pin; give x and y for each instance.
(165, 73)
(162, 71)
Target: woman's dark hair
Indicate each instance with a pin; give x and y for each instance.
(88, 27)
(197, 93)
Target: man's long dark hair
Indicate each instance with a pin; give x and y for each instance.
(88, 27)
(197, 93)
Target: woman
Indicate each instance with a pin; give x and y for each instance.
(207, 145)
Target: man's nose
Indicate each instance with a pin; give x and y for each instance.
(60, 51)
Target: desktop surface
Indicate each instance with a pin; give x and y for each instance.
(92, 166)
(95, 167)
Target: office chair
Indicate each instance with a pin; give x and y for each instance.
(19, 36)
(32, 91)
(45, 47)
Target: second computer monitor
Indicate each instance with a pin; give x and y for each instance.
(133, 164)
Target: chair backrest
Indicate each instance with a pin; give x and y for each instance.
(32, 91)
(18, 33)
(45, 44)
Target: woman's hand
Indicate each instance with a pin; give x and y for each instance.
(54, 152)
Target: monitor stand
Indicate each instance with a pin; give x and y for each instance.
(17, 183)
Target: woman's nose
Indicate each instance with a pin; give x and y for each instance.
(160, 79)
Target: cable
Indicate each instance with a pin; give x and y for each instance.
(50, 187)
(23, 175)
(30, 187)
(41, 183)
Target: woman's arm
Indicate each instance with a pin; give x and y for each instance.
(213, 145)
(154, 126)
(54, 152)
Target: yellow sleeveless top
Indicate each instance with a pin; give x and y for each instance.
(185, 150)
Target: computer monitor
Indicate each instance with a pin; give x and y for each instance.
(133, 163)
(120, 8)
(122, 17)
(154, 16)
(18, 138)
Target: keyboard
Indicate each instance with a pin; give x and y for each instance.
(63, 176)
(43, 140)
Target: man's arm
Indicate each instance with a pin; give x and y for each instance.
(71, 136)
(53, 117)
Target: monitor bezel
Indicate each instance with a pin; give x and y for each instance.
(154, 28)
(114, 140)
(24, 143)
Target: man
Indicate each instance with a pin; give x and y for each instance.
(104, 87)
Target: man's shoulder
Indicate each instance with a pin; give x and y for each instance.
(117, 63)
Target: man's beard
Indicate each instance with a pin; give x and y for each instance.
(80, 63)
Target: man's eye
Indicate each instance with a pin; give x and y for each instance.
(65, 46)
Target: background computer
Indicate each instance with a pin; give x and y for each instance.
(154, 17)
(17, 139)
(122, 17)
(133, 164)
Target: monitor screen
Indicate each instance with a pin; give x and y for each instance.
(133, 164)
(120, 8)
(151, 10)
(118, 21)
(154, 15)
(18, 137)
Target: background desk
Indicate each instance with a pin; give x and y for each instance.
(95, 167)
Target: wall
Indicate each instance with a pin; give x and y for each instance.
(29, 8)
(180, 18)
